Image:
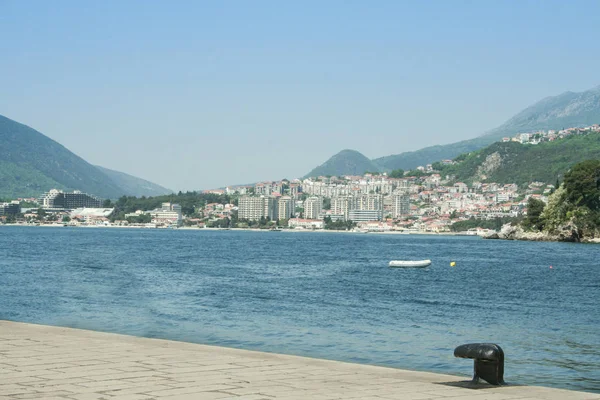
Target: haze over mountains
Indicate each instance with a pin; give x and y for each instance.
(31, 163)
(565, 110)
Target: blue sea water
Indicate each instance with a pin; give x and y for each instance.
(325, 295)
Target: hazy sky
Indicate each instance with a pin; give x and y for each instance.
(196, 95)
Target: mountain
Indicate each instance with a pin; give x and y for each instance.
(346, 162)
(565, 110)
(132, 184)
(31, 163)
(513, 162)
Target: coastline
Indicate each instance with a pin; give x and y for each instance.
(502, 235)
(244, 229)
(567, 234)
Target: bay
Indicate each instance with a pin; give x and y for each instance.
(317, 294)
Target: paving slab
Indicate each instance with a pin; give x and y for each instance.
(47, 362)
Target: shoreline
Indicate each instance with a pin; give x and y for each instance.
(190, 228)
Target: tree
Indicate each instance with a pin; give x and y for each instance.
(534, 211)
(582, 184)
(397, 173)
(41, 214)
(107, 204)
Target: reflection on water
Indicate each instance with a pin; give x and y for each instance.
(323, 295)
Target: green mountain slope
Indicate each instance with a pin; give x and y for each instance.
(513, 162)
(131, 184)
(23, 181)
(566, 110)
(346, 162)
(31, 163)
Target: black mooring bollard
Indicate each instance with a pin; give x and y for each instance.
(489, 361)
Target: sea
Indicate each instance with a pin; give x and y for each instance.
(319, 294)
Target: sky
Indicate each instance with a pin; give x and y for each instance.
(198, 95)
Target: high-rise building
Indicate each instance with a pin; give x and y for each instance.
(284, 207)
(365, 207)
(270, 207)
(250, 208)
(253, 208)
(341, 205)
(401, 205)
(313, 207)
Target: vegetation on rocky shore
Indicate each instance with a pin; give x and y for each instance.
(571, 215)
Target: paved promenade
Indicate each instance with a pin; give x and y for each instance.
(43, 362)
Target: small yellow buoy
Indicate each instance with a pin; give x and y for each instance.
(452, 264)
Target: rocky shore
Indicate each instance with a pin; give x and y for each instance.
(565, 233)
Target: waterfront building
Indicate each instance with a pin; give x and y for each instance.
(365, 207)
(59, 200)
(304, 223)
(284, 207)
(250, 208)
(12, 208)
(92, 216)
(364, 215)
(313, 207)
(253, 208)
(168, 214)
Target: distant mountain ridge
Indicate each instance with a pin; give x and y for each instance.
(346, 162)
(568, 109)
(32, 163)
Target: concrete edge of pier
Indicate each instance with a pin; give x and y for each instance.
(48, 362)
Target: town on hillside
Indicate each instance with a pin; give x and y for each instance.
(408, 202)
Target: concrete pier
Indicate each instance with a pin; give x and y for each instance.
(44, 362)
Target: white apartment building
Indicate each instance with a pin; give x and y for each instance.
(369, 202)
(305, 223)
(284, 207)
(168, 214)
(364, 215)
(313, 207)
(340, 206)
(401, 204)
(253, 208)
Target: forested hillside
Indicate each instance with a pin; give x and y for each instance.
(513, 162)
